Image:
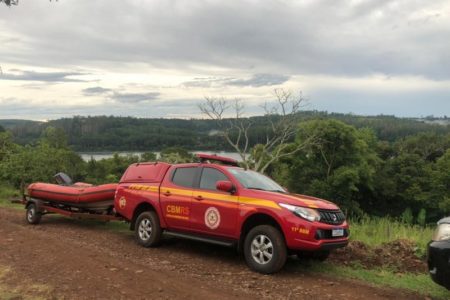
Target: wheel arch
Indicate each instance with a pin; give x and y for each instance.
(143, 206)
(255, 219)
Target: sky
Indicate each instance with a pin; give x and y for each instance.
(162, 58)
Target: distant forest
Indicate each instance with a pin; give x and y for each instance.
(109, 133)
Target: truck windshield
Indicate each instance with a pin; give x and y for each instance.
(254, 180)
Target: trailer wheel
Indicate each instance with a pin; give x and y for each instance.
(32, 214)
(265, 250)
(147, 229)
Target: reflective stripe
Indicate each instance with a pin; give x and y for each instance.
(210, 196)
(177, 217)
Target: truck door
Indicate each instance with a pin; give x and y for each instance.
(213, 212)
(176, 195)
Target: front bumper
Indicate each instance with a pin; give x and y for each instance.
(313, 236)
(439, 262)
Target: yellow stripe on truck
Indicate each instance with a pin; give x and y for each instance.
(210, 196)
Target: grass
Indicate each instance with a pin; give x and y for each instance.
(6, 194)
(25, 290)
(376, 231)
(417, 283)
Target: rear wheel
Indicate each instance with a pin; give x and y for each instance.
(147, 229)
(33, 216)
(265, 250)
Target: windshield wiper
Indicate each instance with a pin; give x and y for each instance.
(260, 189)
(277, 191)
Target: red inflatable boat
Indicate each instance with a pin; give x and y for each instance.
(78, 195)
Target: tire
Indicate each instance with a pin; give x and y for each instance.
(320, 255)
(33, 216)
(265, 249)
(147, 229)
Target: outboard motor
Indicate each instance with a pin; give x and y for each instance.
(63, 179)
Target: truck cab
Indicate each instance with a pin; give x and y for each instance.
(216, 201)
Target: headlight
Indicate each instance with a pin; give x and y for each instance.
(442, 232)
(303, 212)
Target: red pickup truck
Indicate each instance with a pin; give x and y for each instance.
(216, 201)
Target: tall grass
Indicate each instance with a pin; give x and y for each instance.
(376, 231)
(6, 194)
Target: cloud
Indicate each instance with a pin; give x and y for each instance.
(133, 98)
(354, 38)
(259, 80)
(42, 76)
(256, 80)
(94, 91)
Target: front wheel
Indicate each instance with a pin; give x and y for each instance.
(33, 216)
(265, 250)
(147, 229)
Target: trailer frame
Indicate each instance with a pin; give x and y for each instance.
(36, 208)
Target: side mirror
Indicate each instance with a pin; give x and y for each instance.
(225, 186)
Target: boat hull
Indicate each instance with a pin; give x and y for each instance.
(81, 196)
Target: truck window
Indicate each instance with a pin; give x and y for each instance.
(184, 176)
(209, 178)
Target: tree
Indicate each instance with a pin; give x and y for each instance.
(6, 145)
(441, 183)
(176, 155)
(40, 163)
(281, 127)
(10, 2)
(54, 137)
(340, 166)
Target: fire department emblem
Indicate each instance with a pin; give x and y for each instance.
(122, 202)
(212, 218)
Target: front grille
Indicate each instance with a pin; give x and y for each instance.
(333, 217)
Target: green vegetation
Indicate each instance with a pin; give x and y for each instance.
(6, 194)
(418, 283)
(376, 231)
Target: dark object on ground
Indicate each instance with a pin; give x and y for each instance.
(439, 254)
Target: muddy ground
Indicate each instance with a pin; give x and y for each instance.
(67, 259)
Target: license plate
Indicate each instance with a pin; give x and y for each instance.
(337, 232)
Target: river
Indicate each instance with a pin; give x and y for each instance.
(101, 155)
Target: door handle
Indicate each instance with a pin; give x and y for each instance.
(199, 198)
(167, 193)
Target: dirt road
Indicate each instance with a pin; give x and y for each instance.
(68, 259)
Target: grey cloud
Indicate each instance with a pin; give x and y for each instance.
(42, 76)
(287, 37)
(134, 97)
(93, 91)
(257, 80)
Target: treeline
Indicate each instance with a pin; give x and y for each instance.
(108, 133)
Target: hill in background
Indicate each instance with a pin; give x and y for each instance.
(110, 133)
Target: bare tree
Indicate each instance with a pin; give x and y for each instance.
(282, 121)
(13, 2)
(10, 2)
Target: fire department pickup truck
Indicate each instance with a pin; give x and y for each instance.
(216, 201)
